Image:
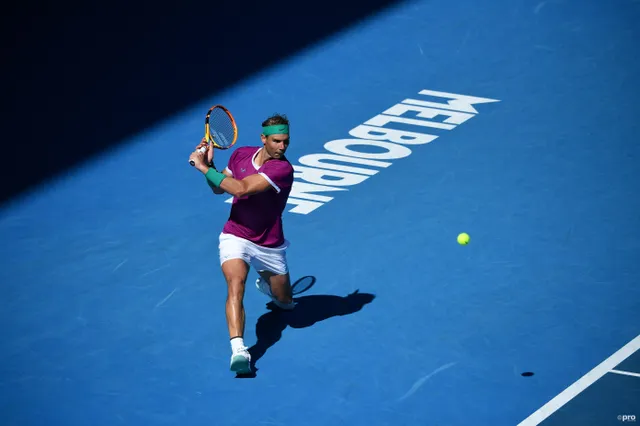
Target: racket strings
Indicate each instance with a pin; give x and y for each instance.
(221, 128)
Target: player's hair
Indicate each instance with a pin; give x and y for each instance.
(275, 119)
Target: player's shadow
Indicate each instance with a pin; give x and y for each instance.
(308, 311)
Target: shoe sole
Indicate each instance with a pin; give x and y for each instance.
(284, 307)
(240, 365)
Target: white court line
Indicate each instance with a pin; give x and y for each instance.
(626, 373)
(584, 382)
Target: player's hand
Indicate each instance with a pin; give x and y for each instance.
(198, 159)
(209, 154)
(202, 143)
(209, 151)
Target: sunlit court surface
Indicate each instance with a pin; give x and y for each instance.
(515, 122)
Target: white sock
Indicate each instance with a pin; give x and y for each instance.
(237, 343)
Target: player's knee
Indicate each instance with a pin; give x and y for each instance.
(235, 288)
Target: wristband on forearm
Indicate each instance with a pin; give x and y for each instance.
(215, 177)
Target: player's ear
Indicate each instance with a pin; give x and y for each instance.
(263, 138)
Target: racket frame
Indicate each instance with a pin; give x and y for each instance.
(207, 130)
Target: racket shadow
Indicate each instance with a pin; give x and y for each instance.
(308, 311)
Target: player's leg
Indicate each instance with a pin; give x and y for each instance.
(274, 281)
(234, 259)
(235, 273)
(279, 286)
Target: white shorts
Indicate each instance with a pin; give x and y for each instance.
(260, 258)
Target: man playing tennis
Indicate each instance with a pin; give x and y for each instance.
(260, 179)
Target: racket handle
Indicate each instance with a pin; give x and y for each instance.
(203, 149)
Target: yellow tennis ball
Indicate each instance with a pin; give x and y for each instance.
(463, 239)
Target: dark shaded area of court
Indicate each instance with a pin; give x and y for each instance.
(79, 77)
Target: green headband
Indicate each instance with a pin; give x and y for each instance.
(276, 129)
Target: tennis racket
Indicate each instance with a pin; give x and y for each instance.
(302, 285)
(220, 129)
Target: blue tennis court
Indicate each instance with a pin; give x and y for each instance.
(520, 128)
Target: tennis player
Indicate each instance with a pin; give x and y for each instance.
(260, 179)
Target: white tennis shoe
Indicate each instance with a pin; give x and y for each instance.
(265, 288)
(241, 361)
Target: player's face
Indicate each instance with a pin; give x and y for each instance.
(276, 145)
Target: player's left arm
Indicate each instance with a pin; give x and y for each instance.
(250, 185)
(273, 177)
(216, 190)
